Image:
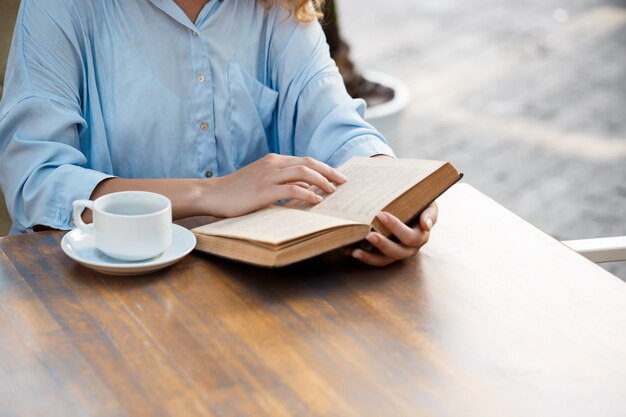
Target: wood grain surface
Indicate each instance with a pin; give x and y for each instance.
(492, 318)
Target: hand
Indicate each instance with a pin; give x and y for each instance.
(269, 179)
(410, 239)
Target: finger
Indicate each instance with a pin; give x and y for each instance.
(286, 191)
(301, 184)
(318, 166)
(372, 258)
(301, 173)
(389, 248)
(413, 237)
(428, 218)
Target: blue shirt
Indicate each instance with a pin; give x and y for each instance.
(133, 88)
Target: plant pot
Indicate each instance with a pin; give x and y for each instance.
(386, 117)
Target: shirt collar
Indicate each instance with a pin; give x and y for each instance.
(170, 8)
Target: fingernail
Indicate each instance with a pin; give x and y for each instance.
(357, 254)
(319, 198)
(332, 187)
(343, 177)
(372, 238)
(429, 223)
(382, 217)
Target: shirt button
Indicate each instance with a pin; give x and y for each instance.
(208, 174)
(201, 78)
(204, 126)
(195, 33)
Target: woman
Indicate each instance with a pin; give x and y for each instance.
(192, 99)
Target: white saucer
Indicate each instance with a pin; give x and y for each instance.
(81, 247)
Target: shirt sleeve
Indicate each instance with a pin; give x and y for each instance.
(316, 115)
(42, 168)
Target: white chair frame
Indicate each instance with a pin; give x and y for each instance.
(607, 249)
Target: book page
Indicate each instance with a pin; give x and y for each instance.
(273, 225)
(389, 177)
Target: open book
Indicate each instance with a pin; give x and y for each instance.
(283, 234)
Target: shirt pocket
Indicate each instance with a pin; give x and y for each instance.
(251, 112)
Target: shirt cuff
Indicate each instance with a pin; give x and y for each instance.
(79, 184)
(366, 145)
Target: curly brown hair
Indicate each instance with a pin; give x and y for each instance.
(304, 10)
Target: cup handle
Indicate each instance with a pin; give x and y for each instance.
(79, 206)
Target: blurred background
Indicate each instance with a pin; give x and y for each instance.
(8, 12)
(527, 98)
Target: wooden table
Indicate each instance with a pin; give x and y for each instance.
(493, 318)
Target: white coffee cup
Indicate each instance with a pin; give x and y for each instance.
(129, 225)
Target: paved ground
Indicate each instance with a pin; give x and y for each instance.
(527, 98)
